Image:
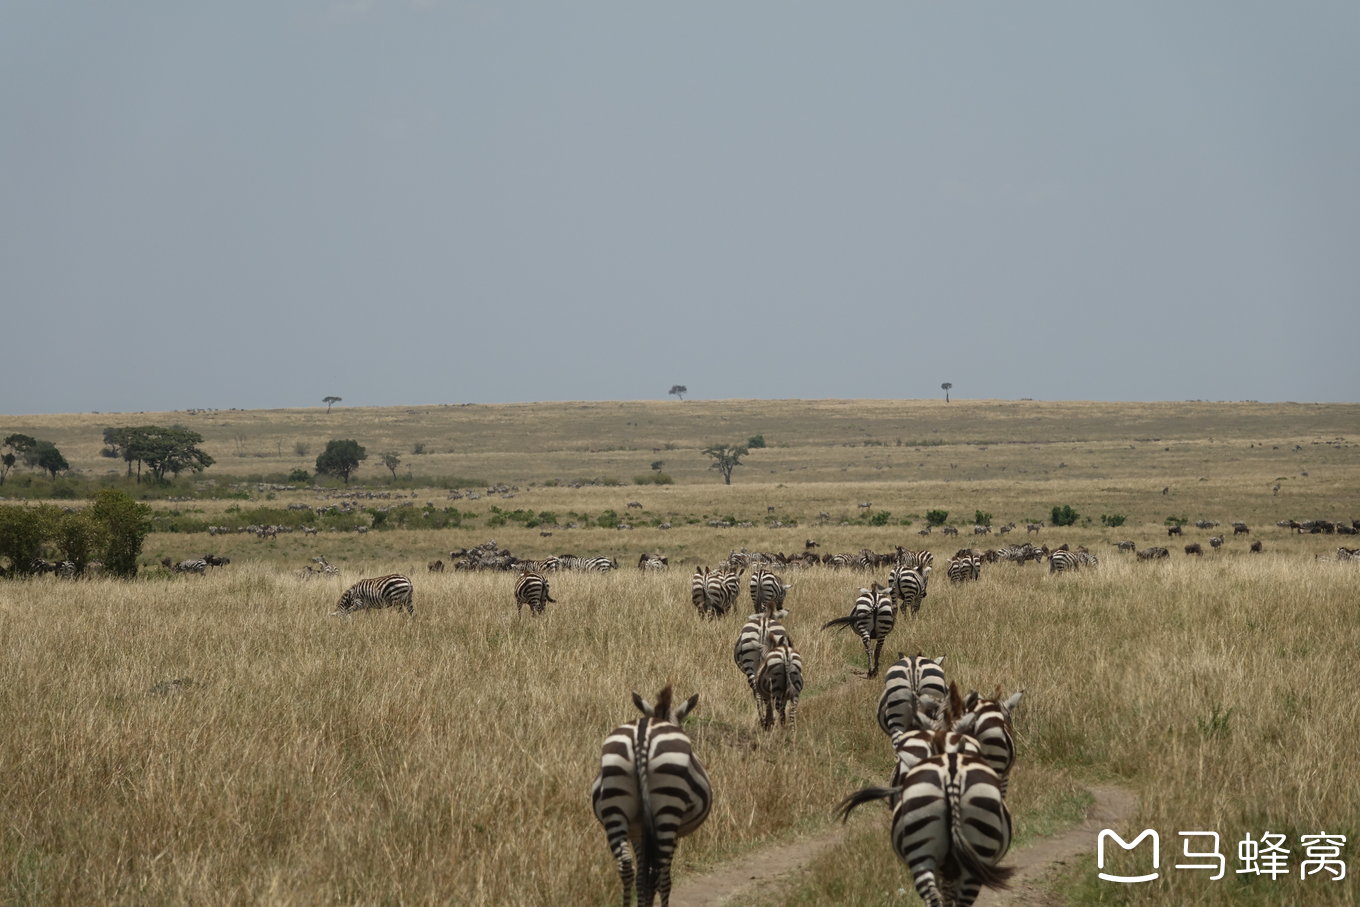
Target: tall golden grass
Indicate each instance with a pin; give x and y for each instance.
(219, 738)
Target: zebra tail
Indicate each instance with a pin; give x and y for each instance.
(988, 874)
(839, 622)
(860, 797)
(649, 860)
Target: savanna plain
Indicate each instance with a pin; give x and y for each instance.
(220, 738)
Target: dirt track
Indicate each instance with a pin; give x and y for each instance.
(1034, 863)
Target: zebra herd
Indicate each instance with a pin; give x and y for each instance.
(952, 754)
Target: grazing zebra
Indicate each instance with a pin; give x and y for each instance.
(872, 617)
(907, 585)
(1033, 527)
(1127, 545)
(754, 637)
(914, 695)
(1154, 553)
(393, 590)
(950, 530)
(963, 567)
(766, 587)
(653, 562)
(532, 589)
(950, 826)
(779, 681)
(918, 559)
(193, 565)
(599, 564)
(1348, 554)
(989, 722)
(1062, 559)
(651, 791)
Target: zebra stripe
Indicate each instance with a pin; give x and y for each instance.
(914, 747)
(964, 567)
(393, 590)
(950, 826)
(766, 586)
(194, 565)
(651, 791)
(599, 564)
(988, 721)
(920, 560)
(532, 589)
(754, 637)
(914, 695)
(872, 617)
(908, 586)
(779, 682)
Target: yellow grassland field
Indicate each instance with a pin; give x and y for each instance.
(185, 739)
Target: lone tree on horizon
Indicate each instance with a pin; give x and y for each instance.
(726, 458)
(678, 391)
(945, 387)
(330, 401)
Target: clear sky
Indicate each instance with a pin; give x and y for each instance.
(264, 202)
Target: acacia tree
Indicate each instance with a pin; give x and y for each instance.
(340, 458)
(726, 457)
(945, 387)
(678, 391)
(392, 460)
(47, 458)
(330, 401)
(163, 450)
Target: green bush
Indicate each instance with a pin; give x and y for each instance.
(880, 518)
(655, 478)
(300, 476)
(1112, 519)
(936, 517)
(1064, 516)
(982, 518)
(755, 441)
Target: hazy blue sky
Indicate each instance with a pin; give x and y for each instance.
(262, 202)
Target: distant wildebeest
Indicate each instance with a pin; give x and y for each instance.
(1153, 554)
(436, 566)
(1216, 541)
(1240, 528)
(1173, 530)
(1194, 548)
(1256, 547)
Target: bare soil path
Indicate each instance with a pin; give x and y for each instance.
(1034, 863)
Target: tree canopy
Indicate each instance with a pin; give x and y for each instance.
(340, 458)
(330, 401)
(163, 450)
(726, 457)
(678, 391)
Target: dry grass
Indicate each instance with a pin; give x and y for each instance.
(448, 758)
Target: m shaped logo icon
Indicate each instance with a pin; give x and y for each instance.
(1105, 834)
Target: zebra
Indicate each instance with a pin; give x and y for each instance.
(1062, 559)
(907, 585)
(963, 567)
(754, 637)
(532, 589)
(193, 565)
(1033, 527)
(600, 564)
(914, 695)
(653, 562)
(872, 617)
(1154, 553)
(698, 592)
(991, 727)
(725, 588)
(766, 586)
(651, 791)
(950, 826)
(779, 681)
(919, 559)
(393, 590)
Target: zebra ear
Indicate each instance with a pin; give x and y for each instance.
(967, 724)
(685, 708)
(642, 705)
(1013, 701)
(938, 661)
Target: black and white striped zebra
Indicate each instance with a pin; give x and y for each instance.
(766, 586)
(532, 589)
(872, 617)
(1063, 560)
(950, 826)
(698, 592)
(989, 722)
(914, 695)
(393, 590)
(651, 791)
(192, 565)
(723, 588)
(779, 682)
(754, 639)
(907, 586)
(964, 567)
(599, 564)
